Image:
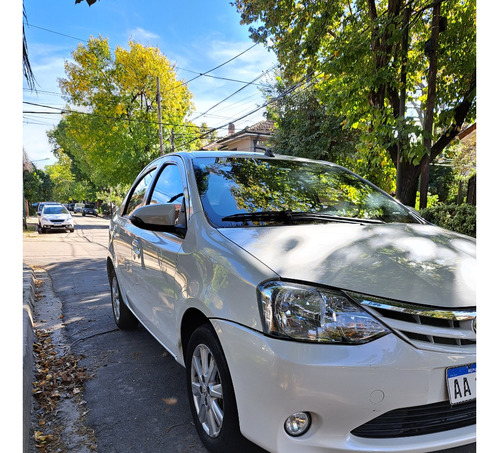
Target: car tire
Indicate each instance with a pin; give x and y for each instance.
(124, 318)
(83, 214)
(72, 230)
(211, 395)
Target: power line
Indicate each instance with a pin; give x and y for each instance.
(224, 78)
(290, 90)
(55, 32)
(236, 92)
(96, 115)
(200, 74)
(211, 70)
(222, 64)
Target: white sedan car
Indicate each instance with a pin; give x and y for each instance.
(55, 217)
(312, 311)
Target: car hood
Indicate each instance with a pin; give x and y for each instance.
(422, 264)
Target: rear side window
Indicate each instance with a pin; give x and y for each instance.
(138, 195)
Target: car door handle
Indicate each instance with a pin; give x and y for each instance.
(136, 247)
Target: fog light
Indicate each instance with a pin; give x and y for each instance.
(297, 424)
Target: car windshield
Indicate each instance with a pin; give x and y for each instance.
(239, 191)
(55, 210)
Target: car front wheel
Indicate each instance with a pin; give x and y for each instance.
(124, 318)
(211, 394)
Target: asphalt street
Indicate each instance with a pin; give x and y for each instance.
(136, 399)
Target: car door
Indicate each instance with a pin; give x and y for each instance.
(154, 266)
(125, 243)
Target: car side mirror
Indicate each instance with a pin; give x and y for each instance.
(158, 217)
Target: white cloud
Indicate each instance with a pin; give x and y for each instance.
(245, 68)
(143, 36)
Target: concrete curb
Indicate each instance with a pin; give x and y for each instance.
(28, 337)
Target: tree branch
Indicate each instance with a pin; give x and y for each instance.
(461, 111)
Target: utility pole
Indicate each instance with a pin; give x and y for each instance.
(158, 101)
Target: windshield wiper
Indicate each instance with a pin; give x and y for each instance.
(290, 216)
(283, 216)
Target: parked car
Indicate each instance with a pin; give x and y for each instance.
(89, 209)
(44, 203)
(312, 311)
(55, 217)
(79, 207)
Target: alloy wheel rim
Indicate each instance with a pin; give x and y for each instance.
(206, 388)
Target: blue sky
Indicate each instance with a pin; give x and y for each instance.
(196, 35)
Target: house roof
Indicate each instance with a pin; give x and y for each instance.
(263, 128)
(467, 131)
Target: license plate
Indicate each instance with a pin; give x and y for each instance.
(461, 383)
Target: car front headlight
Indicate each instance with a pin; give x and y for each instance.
(307, 313)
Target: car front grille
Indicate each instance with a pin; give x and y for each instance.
(419, 420)
(429, 328)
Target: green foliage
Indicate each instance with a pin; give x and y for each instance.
(37, 186)
(432, 201)
(116, 131)
(354, 52)
(111, 198)
(459, 218)
(62, 178)
(305, 127)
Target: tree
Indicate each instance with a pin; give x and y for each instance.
(115, 131)
(305, 125)
(376, 58)
(37, 186)
(62, 178)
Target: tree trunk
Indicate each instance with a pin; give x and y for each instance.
(429, 108)
(471, 191)
(407, 191)
(402, 99)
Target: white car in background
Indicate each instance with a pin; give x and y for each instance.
(79, 207)
(55, 217)
(312, 311)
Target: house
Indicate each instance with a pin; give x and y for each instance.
(251, 138)
(468, 138)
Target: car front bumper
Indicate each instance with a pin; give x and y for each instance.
(342, 387)
(57, 226)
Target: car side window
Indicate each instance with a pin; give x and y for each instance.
(169, 187)
(137, 197)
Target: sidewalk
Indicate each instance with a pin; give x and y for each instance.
(28, 336)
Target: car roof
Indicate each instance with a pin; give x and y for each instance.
(190, 155)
